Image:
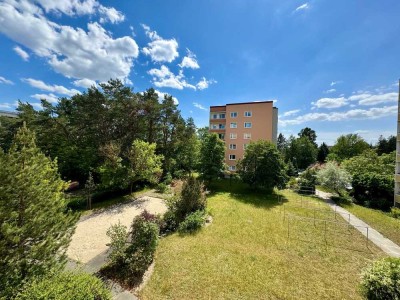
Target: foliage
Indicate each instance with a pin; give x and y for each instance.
(373, 182)
(291, 170)
(75, 129)
(144, 239)
(212, 154)
(323, 152)
(386, 145)
(347, 146)
(118, 235)
(193, 222)
(35, 227)
(332, 176)
(281, 143)
(310, 134)
(162, 188)
(395, 212)
(307, 181)
(381, 280)
(302, 152)
(132, 253)
(90, 187)
(65, 286)
(169, 222)
(192, 198)
(262, 166)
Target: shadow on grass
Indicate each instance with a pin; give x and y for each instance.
(244, 193)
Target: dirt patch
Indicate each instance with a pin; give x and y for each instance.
(90, 239)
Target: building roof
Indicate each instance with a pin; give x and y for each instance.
(240, 103)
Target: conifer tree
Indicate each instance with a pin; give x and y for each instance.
(35, 227)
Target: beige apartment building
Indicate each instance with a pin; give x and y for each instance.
(239, 123)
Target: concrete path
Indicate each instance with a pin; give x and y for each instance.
(374, 236)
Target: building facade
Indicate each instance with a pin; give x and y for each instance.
(239, 123)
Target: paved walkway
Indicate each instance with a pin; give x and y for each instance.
(374, 236)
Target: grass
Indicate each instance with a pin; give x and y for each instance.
(379, 220)
(246, 253)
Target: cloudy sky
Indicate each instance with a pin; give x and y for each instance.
(330, 65)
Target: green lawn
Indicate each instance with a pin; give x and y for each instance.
(381, 221)
(246, 254)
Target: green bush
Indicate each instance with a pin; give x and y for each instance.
(162, 188)
(144, 240)
(65, 286)
(381, 280)
(169, 222)
(192, 222)
(119, 236)
(307, 181)
(395, 212)
(192, 199)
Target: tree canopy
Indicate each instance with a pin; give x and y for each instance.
(212, 154)
(349, 145)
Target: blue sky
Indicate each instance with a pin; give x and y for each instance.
(330, 65)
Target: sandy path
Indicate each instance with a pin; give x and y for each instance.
(90, 239)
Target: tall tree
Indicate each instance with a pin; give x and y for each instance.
(144, 163)
(35, 227)
(386, 145)
(332, 176)
(310, 134)
(262, 166)
(302, 152)
(349, 145)
(281, 143)
(323, 152)
(212, 153)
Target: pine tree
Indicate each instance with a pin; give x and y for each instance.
(35, 227)
(90, 187)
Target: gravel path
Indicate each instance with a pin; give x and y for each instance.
(90, 239)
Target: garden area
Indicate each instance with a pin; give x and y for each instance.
(245, 254)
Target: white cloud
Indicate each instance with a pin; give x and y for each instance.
(199, 106)
(204, 83)
(303, 7)
(189, 61)
(49, 97)
(59, 89)
(82, 7)
(330, 91)
(163, 77)
(110, 14)
(36, 105)
(73, 52)
(22, 53)
(6, 106)
(354, 114)
(6, 81)
(370, 99)
(159, 49)
(291, 113)
(336, 82)
(330, 102)
(85, 83)
(161, 96)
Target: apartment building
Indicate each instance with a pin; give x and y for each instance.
(239, 123)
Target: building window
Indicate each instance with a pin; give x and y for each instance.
(233, 136)
(232, 157)
(222, 116)
(247, 113)
(234, 125)
(221, 136)
(247, 136)
(245, 146)
(247, 124)
(233, 114)
(221, 126)
(232, 168)
(214, 126)
(232, 146)
(215, 116)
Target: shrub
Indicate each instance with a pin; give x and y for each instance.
(192, 222)
(119, 236)
(192, 199)
(167, 179)
(162, 188)
(65, 286)
(307, 181)
(169, 222)
(395, 212)
(332, 176)
(144, 239)
(381, 280)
